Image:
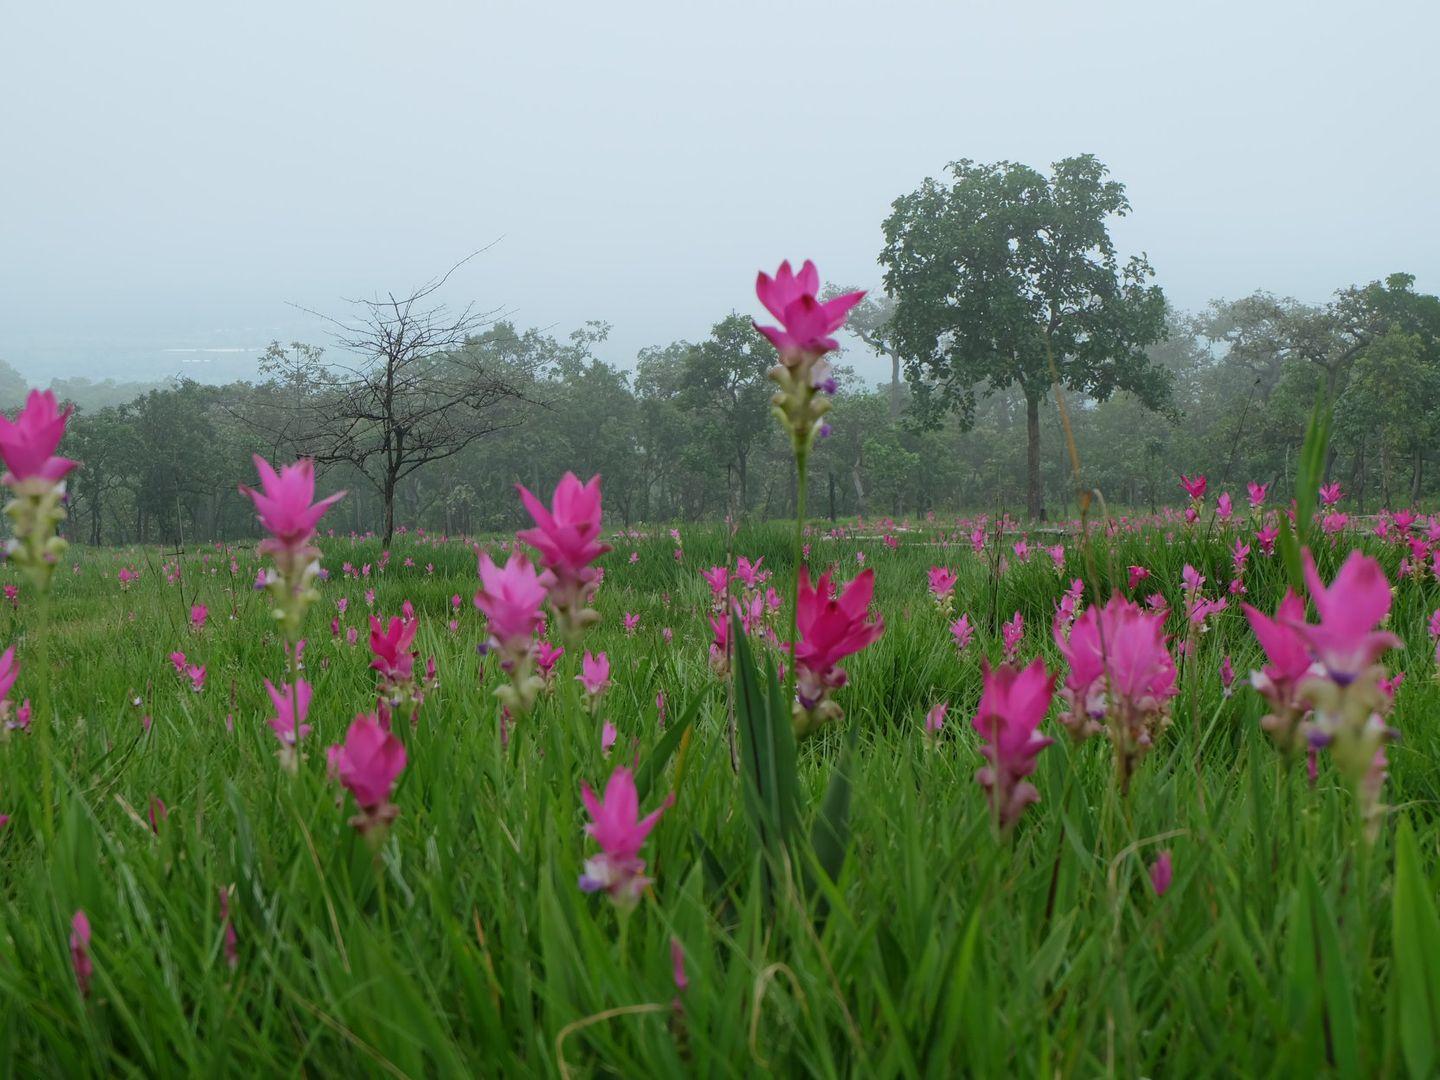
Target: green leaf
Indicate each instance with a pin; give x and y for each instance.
(655, 763)
(830, 833)
(767, 748)
(1416, 944)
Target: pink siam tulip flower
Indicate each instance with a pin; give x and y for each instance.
(1162, 872)
(1194, 486)
(608, 735)
(196, 674)
(1135, 576)
(292, 705)
(617, 827)
(720, 646)
(367, 764)
(80, 952)
(803, 338)
(594, 675)
(391, 648)
(942, 582)
(1330, 494)
(632, 623)
(510, 596)
(285, 503)
(718, 578)
(1266, 538)
(1013, 633)
(1346, 642)
(28, 443)
(1227, 676)
(806, 323)
(199, 613)
(1258, 493)
(750, 573)
(830, 629)
(567, 536)
(1012, 705)
(1224, 507)
(1057, 556)
(963, 631)
(546, 657)
(935, 719)
(1121, 679)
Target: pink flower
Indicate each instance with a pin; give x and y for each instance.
(830, 629)
(935, 718)
(196, 674)
(942, 580)
(1118, 661)
(1136, 575)
(292, 704)
(198, 614)
(1161, 873)
(1224, 508)
(1266, 538)
(368, 762)
(1012, 705)
(677, 965)
(567, 537)
(28, 443)
(617, 827)
(285, 503)
(546, 657)
(806, 323)
(1194, 486)
(1330, 494)
(750, 573)
(80, 952)
(632, 623)
(1013, 633)
(9, 671)
(1346, 641)
(718, 578)
(390, 645)
(510, 596)
(594, 674)
(963, 631)
(608, 735)
(1258, 492)
(1227, 675)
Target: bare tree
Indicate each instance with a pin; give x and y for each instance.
(421, 390)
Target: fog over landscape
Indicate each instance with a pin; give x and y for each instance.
(174, 174)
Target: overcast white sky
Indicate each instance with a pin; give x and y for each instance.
(172, 173)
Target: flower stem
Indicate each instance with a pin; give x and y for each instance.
(799, 554)
(46, 738)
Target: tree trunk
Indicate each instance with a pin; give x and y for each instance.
(894, 386)
(1034, 500)
(1417, 474)
(389, 496)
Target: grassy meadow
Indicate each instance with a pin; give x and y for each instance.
(1287, 944)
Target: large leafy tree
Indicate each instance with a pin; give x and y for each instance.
(1004, 277)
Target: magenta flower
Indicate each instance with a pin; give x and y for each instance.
(594, 674)
(292, 704)
(1012, 633)
(1258, 493)
(546, 657)
(1121, 678)
(632, 623)
(935, 718)
(80, 952)
(942, 581)
(1289, 663)
(608, 735)
(567, 536)
(806, 324)
(1224, 507)
(1012, 705)
(367, 764)
(391, 647)
(830, 629)
(1162, 871)
(285, 503)
(1346, 642)
(1194, 486)
(196, 674)
(720, 645)
(963, 631)
(617, 827)
(28, 443)
(510, 596)
(199, 613)
(1330, 494)
(718, 578)
(9, 671)
(1135, 576)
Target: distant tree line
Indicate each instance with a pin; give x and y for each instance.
(1000, 284)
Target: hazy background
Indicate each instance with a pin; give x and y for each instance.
(172, 174)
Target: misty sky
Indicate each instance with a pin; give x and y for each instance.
(172, 173)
